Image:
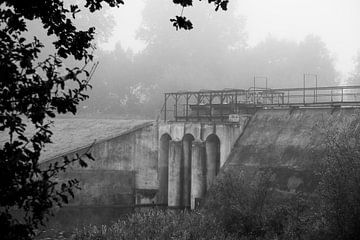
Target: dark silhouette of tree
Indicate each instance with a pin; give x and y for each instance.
(181, 21)
(33, 91)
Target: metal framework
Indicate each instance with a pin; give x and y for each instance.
(217, 105)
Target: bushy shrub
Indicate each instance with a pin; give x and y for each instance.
(253, 209)
(339, 187)
(235, 209)
(158, 224)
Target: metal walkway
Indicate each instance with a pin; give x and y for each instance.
(221, 105)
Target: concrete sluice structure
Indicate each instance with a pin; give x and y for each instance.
(194, 154)
(175, 162)
(192, 167)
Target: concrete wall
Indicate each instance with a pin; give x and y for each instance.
(127, 168)
(290, 142)
(124, 171)
(227, 133)
(181, 183)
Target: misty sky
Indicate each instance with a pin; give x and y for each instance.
(337, 22)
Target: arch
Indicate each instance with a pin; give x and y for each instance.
(212, 148)
(186, 169)
(163, 168)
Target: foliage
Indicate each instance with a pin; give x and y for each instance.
(181, 21)
(158, 224)
(33, 91)
(234, 209)
(339, 187)
(253, 209)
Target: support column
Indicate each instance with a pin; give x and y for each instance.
(212, 161)
(187, 172)
(163, 170)
(175, 179)
(198, 173)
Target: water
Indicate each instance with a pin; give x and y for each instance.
(63, 224)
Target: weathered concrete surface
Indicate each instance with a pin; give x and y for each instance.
(227, 133)
(102, 187)
(198, 173)
(186, 169)
(163, 169)
(70, 134)
(290, 142)
(175, 174)
(124, 171)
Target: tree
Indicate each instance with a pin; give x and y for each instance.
(181, 21)
(285, 62)
(32, 93)
(340, 178)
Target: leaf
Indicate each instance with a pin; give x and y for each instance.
(62, 52)
(181, 23)
(89, 155)
(82, 163)
(64, 198)
(23, 138)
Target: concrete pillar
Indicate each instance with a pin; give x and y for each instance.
(187, 144)
(212, 160)
(163, 170)
(198, 173)
(175, 174)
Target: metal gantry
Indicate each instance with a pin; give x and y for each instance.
(217, 105)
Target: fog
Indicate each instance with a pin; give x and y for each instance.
(141, 55)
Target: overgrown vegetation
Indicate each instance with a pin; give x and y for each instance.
(339, 188)
(239, 208)
(235, 209)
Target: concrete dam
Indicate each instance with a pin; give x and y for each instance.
(174, 160)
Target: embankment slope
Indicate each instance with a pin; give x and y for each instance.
(290, 142)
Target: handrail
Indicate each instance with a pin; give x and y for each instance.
(265, 89)
(235, 100)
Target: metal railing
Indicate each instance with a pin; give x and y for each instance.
(216, 105)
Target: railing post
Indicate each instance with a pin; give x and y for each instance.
(221, 105)
(165, 107)
(316, 86)
(254, 91)
(304, 90)
(236, 100)
(210, 104)
(288, 97)
(342, 94)
(187, 107)
(198, 106)
(176, 107)
(331, 96)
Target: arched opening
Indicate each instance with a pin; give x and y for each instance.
(212, 147)
(186, 169)
(163, 168)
